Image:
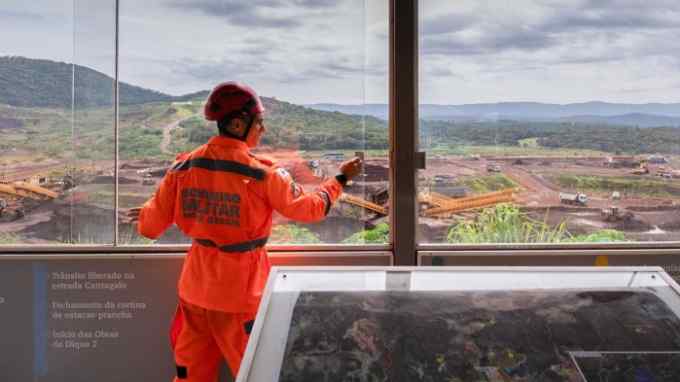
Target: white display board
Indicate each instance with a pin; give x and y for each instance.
(267, 346)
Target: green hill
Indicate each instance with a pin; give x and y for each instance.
(27, 82)
(308, 129)
(35, 101)
(298, 127)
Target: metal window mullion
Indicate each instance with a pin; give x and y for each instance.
(71, 172)
(403, 120)
(116, 100)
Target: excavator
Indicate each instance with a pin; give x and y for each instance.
(20, 190)
(642, 170)
(27, 190)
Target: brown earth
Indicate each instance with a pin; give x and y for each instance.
(655, 219)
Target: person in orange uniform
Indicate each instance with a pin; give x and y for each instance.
(222, 196)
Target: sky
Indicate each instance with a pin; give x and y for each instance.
(310, 51)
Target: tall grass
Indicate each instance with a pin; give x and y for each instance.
(7, 238)
(378, 235)
(293, 234)
(643, 186)
(505, 223)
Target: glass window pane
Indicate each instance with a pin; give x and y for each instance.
(549, 122)
(321, 68)
(92, 198)
(51, 147)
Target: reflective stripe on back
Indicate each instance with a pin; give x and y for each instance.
(221, 165)
(237, 247)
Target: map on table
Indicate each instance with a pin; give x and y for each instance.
(638, 367)
(480, 336)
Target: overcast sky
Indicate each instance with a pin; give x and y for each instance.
(308, 51)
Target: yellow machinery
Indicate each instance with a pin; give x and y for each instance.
(472, 202)
(435, 199)
(363, 203)
(27, 190)
(443, 203)
(642, 170)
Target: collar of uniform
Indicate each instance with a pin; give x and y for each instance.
(223, 141)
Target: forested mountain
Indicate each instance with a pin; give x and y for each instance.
(632, 119)
(590, 136)
(30, 83)
(644, 115)
(27, 82)
(299, 127)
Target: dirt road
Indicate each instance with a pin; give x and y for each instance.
(167, 134)
(536, 191)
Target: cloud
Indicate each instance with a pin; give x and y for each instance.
(273, 14)
(9, 15)
(523, 39)
(272, 68)
(617, 19)
(631, 4)
(544, 25)
(448, 23)
(210, 71)
(441, 71)
(253, 13)
(316, 3)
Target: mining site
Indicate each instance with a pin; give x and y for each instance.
(50, 202)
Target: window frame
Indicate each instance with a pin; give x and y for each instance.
(403, 77)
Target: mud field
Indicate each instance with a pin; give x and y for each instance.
(83, 210)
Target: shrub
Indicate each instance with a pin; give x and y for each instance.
(378, 235)
(505, 223)
(293, 234)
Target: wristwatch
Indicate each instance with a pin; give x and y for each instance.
(342, 179)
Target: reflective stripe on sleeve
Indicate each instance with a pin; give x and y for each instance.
(327, 200)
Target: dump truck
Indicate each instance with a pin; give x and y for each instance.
(664, 172)
(493, 168)
(642, 170)
(578, 198)
(148, 180)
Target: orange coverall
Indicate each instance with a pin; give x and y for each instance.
(223, 197)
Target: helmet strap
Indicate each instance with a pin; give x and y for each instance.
(244, 114)
(223, 125)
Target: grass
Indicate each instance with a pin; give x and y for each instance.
(470, 150)
(141, 143)
(7, 238)
(293, 234)
(630, 185)
(528, 142)
(603, 236)
(129, 236)
(505, 223)
(378, 235)
(487, 183)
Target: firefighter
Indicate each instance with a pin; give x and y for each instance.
(222, 196)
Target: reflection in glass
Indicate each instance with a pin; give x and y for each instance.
(92, 170)
(56, 122)
(316, 65)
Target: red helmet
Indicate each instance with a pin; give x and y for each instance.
(232, 98)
